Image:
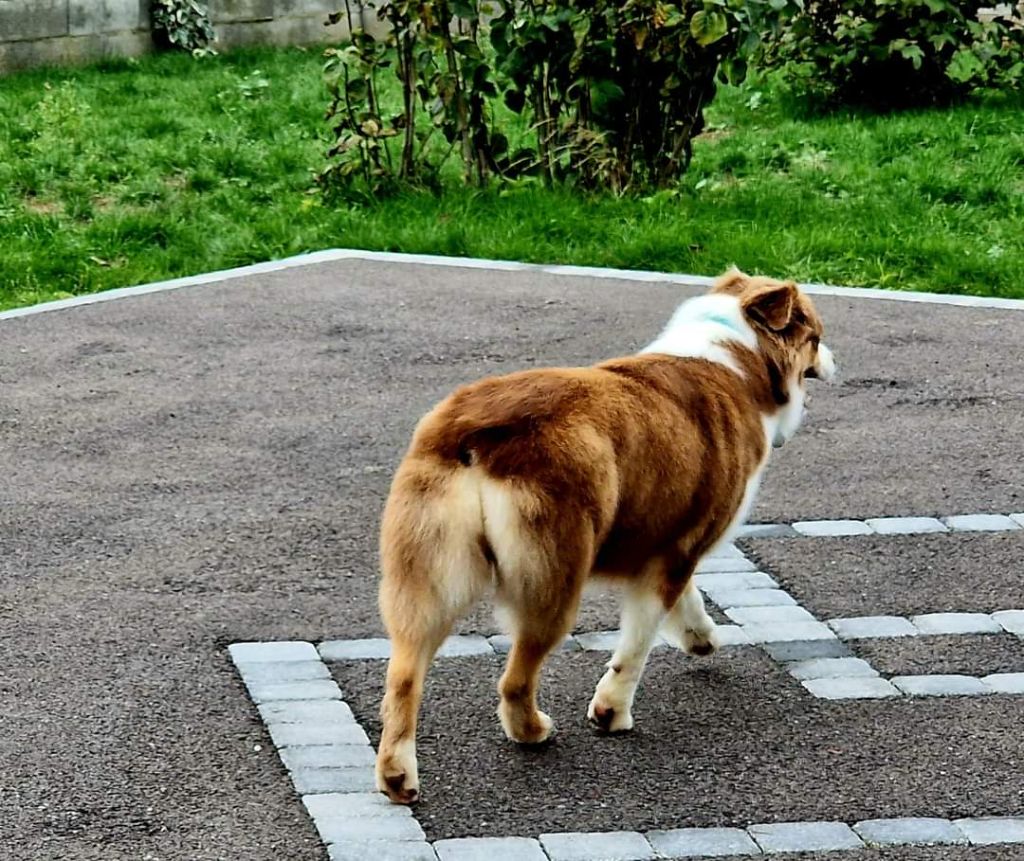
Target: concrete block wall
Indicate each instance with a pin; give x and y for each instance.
(64, 32)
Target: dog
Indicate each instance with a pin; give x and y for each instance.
(524, 487)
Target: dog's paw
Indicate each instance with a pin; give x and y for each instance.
(398, 777)
(610, 718)
(705, 642)
(535, 728)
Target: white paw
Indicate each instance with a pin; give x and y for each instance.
(702, 642)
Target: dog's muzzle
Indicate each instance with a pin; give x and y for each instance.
(825, 366)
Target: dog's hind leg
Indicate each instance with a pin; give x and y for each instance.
(397, 767)
(688, 626)
(541, 574)
(537, 630)
(433, 568)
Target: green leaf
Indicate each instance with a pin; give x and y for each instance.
(708, 27)
(913, 53)
(964, 66)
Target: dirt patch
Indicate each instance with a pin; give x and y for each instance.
(38, 206)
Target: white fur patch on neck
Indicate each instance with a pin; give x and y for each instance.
(782, 427)
(701, 327)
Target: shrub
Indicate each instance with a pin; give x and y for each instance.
(183, 24)
(612, 92)
(898, 53)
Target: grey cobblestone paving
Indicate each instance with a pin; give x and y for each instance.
(702, 843)
(805, 837)
(910, 831)
(831, 668)
(956, 623)
(851, 688)
(832, 528)
(989, 831)
(940, 685)
(980, 523)
(607, 846)
(490, 849)
(863, 627)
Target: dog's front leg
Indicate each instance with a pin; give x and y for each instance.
(688, 625)
(643, 610)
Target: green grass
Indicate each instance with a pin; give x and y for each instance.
(131, 172)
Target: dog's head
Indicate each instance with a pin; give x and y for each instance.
(789, 332)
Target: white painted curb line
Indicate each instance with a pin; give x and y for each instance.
(330, 255)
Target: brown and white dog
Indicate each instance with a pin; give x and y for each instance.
(525, 486)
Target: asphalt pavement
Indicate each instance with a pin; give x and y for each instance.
(187, 469)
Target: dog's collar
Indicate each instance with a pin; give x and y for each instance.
(721, 320)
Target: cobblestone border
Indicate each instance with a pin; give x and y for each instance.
(333, 254)
(813, 652)
(886, 526)
(329, 759)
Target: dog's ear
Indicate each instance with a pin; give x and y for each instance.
(733, 281)
(771, 304)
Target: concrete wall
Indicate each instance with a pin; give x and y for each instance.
(58, 32)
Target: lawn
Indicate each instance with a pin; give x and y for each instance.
(135, 171)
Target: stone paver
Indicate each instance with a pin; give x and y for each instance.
(605, 846)
(724, 565)
(785, 632)
(1005, 683)
(356, 650)
(831, 668)
(729, 551)
(726, 598)
(702, 843)
(987, 831)
(598, 641)
(464, 645)
(733, 581)
(870, 627)
(906, 525)
(348, 805)
(365, 829)
(768, 615)
(918, 831)
(327, 756)
(255, 653)
(284, 671)
(980, 523)
(490, 849)
(806, 650)
(308, 689)
(316, 733)
(854, 688)
(502, 644)
(941, 685)
(766, 530)
(956, 623)
(381, 850)
(805, 837)
(319, 780)
(732, 635)
(1011, 621)
(832, 528)
(306, 711)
